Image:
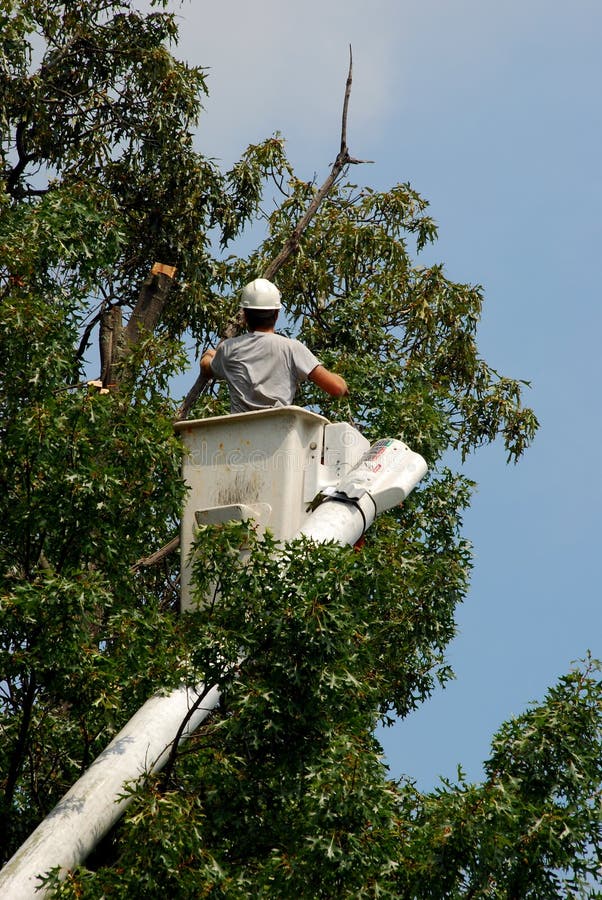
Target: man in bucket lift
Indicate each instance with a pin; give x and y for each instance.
(262, 368)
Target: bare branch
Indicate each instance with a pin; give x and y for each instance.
(343, 159)
(157, 556)
(85, 339)
(192, 396)
(343, 148)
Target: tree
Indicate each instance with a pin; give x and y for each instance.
(283, 792)
(96, 147)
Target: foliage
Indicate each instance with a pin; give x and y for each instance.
(283, 791)
(284, 794)
(533, 828)
(110, 110)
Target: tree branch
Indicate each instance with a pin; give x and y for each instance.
(343, 159)
(84, 342)
(192, 396)
(173, 753)
(343, 147)
(157, 556)
(24, 158)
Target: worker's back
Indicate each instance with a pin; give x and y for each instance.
(262, 369)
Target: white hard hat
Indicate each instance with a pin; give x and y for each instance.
(260, 294)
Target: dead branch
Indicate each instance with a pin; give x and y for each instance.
(157, 556)
(192, 396)
(343, 159)
(85, 338)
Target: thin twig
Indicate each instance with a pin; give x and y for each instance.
(173, 753)
(83, 344)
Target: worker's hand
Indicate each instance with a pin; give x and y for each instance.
(206, 363)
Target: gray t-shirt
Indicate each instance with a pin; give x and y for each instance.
(262, 369)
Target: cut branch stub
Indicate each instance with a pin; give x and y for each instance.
(116, 342)
(151, 301)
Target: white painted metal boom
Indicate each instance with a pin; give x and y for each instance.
(92, 806)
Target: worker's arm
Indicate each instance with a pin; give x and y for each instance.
(330, 382)
(206, 358)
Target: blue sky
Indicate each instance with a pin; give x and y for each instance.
(492, 112)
